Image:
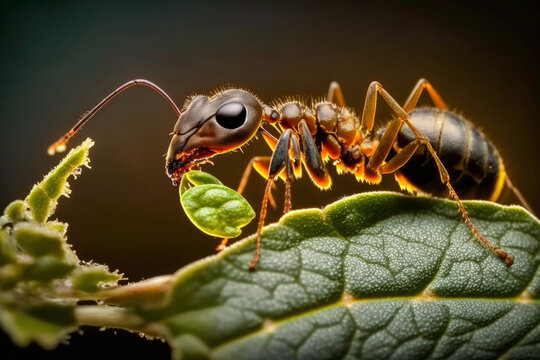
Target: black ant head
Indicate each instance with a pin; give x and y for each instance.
(211, 126)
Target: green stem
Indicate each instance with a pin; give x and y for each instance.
(115, 317)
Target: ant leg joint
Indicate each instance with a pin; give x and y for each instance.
(376, 85)
(222, 245)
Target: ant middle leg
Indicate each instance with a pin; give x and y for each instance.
(401, 158)
(335, 95)
(381, 153)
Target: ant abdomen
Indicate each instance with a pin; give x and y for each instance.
(475, 167)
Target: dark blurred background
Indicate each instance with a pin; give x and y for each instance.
(59, 59)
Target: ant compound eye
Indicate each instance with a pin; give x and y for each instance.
(231, 115)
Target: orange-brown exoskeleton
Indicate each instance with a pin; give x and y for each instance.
(429, 150)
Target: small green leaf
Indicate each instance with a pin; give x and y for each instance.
(7, 250)
(217, 210)
(15, 210)
(43, 197)
(92, 278)
(38, 240)
(214, 208)
(46, 324)
(3, 237)
(47, 268)
(374, 276)
(10, 275)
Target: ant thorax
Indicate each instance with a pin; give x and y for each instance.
(336, 130)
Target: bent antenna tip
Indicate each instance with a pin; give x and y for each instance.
(54, 148)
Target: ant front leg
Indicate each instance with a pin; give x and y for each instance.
(223, 244)
(281, 160)
(387, 141)
(311, 157)
(293, 170)
(262, 165)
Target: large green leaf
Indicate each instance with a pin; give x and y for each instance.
(377, 276)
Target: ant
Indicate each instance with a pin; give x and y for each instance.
(429, 150)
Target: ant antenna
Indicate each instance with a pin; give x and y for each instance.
(60, 144)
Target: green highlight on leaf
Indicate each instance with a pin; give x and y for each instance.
(201, 178)
(44, 195)
(196, 177)
(214, 208)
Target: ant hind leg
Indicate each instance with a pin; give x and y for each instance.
(387, 140)
(519, 195)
